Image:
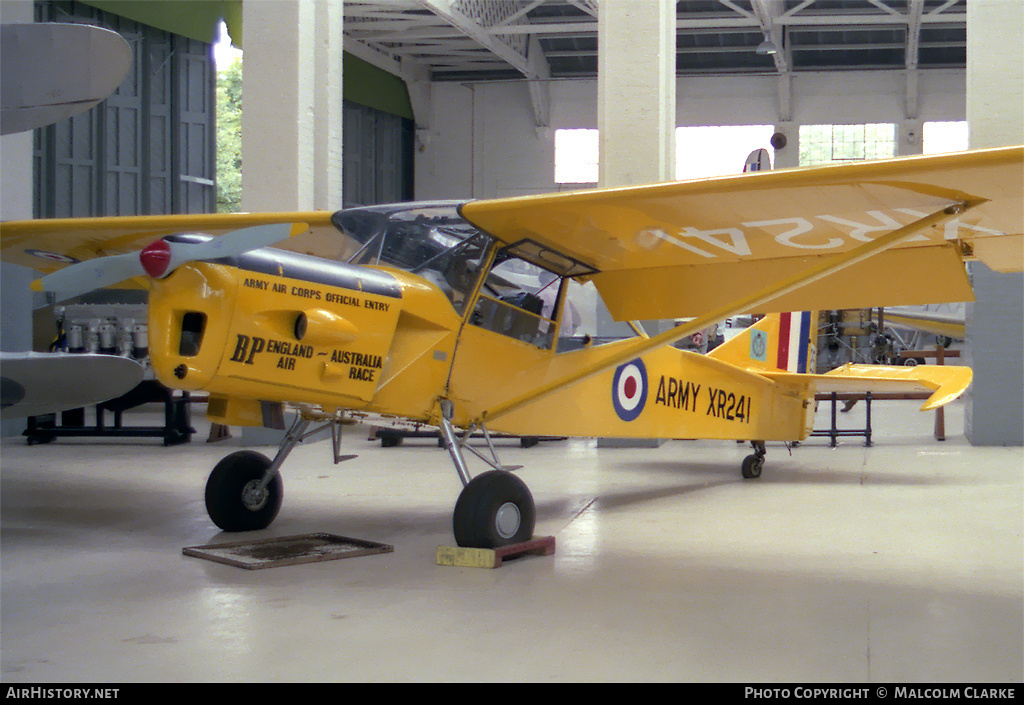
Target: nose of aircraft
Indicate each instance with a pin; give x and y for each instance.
(155, 258)
(160, 259)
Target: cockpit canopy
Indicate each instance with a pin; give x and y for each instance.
(430, 239)
(433, 241)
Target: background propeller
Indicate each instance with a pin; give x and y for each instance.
(159, 259)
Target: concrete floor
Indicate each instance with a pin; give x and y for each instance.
(896, 563)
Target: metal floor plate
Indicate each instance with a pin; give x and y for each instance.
(286, 550)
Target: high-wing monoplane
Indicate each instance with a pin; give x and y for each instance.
(449, 313)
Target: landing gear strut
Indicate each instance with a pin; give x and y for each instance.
(244, 491)
(752, 464)
(495, 508)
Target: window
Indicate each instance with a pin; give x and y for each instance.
(521, 292)
(942, 137)
(519, 300)
(576, 156)
(701, 151)
(718, 150)
(826, 144)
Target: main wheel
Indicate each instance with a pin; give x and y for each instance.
(495, 509)
(751, 467)
(232, 500)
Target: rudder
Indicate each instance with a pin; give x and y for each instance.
(779, 341)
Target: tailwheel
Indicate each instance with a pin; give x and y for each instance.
(495, 509)
(237, 499)
(751, 467)
(752, 464)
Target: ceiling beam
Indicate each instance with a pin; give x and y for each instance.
(588, 6)
(540, 87)
(468, 32)
(533, 65)
(768, 13)
(446, 10)
(915, 11)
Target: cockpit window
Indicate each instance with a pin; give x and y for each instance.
(520, 300)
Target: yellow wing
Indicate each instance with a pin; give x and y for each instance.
(679, 249)
(48, 245)
(927, 321)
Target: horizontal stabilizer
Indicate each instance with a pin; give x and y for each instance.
(945, 382)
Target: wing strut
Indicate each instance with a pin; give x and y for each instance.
(742, 305)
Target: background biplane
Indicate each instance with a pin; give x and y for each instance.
(436, 312)
(51, 71)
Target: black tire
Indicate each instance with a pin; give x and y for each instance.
(751, 467)
(225, 488)
(495, 509)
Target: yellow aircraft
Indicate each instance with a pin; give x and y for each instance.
(449, 313)
(939, 324)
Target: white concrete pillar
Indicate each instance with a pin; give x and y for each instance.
(328, 106)
(292, 115)
(636, 104)
(909, 137)
(636, 113)
(277, 115)
(636, 91)
(995, 117)
(787, 156)
(291, 121)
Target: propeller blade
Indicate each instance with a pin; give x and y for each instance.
(83, 277)
(160, 259)
(233, 243)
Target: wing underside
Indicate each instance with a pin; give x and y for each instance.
(676, 249)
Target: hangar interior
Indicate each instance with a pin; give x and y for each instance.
(898, 561)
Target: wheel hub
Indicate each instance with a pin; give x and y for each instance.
(507, 519)
(253, 497)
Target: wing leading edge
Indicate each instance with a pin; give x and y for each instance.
(48, 245)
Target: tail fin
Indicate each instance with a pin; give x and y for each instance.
(779, 341)
(758, 160)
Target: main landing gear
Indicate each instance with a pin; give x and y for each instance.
(241, 495)
(494, 509)
(752, 464)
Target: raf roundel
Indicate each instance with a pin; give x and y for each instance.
(629, 390)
